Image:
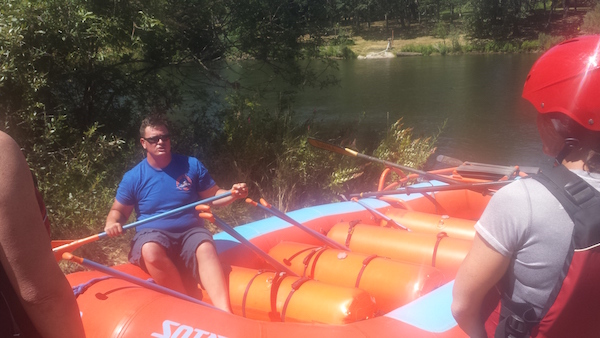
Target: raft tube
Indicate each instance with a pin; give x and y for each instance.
(391, 283)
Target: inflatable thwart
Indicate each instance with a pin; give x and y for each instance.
(391, 283)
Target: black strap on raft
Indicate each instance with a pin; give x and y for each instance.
(288, 261)
(351, 226)
(366, 262)
(277, 279)
(314, 257)
(295, 286)
(258, 273)
(440, 236)
(582, 202)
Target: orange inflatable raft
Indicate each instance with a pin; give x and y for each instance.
(392, 282)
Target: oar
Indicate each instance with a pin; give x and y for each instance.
(264, 205)
(420, 190)
(207, 215)
(58, 251)
(135, 280)
(349, 152)
(380, 215)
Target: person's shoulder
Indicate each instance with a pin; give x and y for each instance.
(191, 160)
(7, 142)
(137, 170)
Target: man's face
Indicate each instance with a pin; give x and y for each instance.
(156, 140)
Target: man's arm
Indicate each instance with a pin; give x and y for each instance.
(480, 271)
(117, 216)
(238, 190)
(26, 255)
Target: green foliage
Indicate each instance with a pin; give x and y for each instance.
(269, 152)
(441, 30)
(530, 45)
(548, 41)
(423, 49)
(455, 43)
(400, 146)
(591, 21)
(338, 51)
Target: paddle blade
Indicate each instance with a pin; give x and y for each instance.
(59, 242)
(328, 146)
(59, 250)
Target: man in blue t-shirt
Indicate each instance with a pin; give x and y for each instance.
(178, 243)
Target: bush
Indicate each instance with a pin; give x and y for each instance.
(548, 41)
(423, 49)
(530, 45)
(456, 46)
(591, 21)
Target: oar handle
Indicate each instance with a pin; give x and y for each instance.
(264, 205)
(231, 231)
(137, 281)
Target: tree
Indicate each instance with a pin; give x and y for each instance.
(76, 75)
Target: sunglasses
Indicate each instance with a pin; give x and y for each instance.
(155, 139)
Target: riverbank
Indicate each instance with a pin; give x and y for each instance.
(533, 34)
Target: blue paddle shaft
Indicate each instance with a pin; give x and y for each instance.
(272, 261)
(169, 213)
(278, 213)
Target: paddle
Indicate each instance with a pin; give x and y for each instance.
(135, 280)
(207, 215)
(420, 190)
(276, 212)
(59, 250)
(349, 152)
(380, 215)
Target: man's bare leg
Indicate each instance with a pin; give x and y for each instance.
(161, 268)
(212, 276)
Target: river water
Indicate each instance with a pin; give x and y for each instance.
(479, 97)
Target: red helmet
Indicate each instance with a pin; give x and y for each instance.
(566, 79)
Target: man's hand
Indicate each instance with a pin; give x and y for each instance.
(113, 229)
(239, 190)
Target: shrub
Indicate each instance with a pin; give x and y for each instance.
(530, 45)
(548, 41)
(423, 49)
(591, 21)
(456, 46)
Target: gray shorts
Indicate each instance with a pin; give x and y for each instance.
(180, 247)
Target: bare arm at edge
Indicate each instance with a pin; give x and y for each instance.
(478, 274)
(26, 254)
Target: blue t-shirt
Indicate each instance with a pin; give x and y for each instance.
(155, 191)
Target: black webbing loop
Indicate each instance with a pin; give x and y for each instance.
(440, 235)
(259, 272)
(366, 262)
(351, 226)
(277, 279)
(295, 286)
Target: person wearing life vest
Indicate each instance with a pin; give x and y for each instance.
(36, 299)
(537, 246)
